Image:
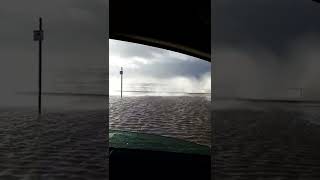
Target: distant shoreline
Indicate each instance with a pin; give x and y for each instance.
(104, 95)
(63, 94)
(270, 100)
(164, 92)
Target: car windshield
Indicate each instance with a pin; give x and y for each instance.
(164, 93)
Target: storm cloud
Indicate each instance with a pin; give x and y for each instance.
(265, 49)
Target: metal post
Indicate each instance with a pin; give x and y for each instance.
(121, 73)
(40, 67)
(38, 36)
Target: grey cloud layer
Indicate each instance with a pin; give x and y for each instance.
(263, 48)
(269, 23)
(153, 69)
(75, 41)
(161, 63)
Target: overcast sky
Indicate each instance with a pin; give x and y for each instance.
(152, 69)
(259, 47)
(75, 47)
(263, 48)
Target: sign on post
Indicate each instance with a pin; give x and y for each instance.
(121, 73)
(38, 35)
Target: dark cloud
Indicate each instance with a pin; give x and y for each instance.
(187, 69)
(268, 23)
(126, 50)
(263, 48)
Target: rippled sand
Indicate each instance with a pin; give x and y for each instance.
(266, 141)
(59, 145)
(183, 117)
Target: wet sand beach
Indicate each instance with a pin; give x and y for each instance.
(182, 117)
(266, 140)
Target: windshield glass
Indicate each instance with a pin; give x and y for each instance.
(163, 93)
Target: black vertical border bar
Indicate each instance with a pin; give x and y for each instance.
(107, 87)
(211, 113)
